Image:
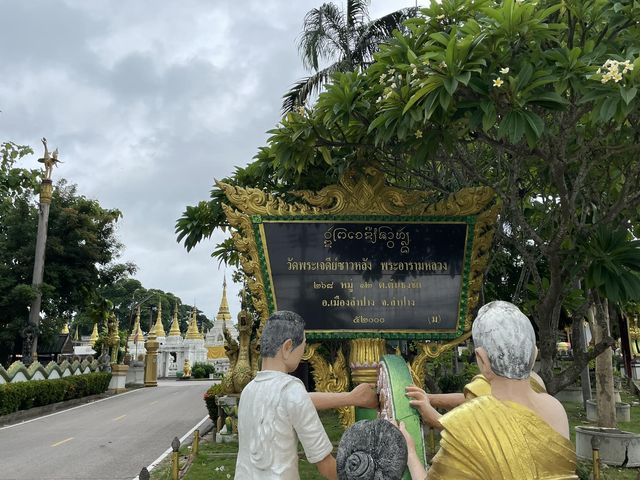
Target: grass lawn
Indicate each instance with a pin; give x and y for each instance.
(217, 461)
(577, 416)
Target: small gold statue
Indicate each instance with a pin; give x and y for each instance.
(186, 370)
(634, 338)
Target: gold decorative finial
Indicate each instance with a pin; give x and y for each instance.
(94, 335)
(192, 331)
(223, 311)
(76, 337)
(65, 329)
(175, 325)
(136, 334)
(158, 328)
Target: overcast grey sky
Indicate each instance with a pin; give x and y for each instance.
(148, 102)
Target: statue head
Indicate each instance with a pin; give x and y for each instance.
(504, 336)
(372, 450)
(280, 327)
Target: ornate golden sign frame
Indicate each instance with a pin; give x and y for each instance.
(364, 194)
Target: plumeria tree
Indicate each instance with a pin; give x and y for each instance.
(537, 100)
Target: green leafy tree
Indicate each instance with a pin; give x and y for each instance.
(16, 185)
(81, 256)
(536, 100)
(612, 277)
(345, 38)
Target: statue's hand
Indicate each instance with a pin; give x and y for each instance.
(364, 395)
(419, 401)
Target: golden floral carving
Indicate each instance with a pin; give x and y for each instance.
(330, 378)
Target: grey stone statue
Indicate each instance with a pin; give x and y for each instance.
(104, 362)
(372, 450)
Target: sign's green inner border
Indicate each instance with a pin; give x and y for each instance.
(470, 220)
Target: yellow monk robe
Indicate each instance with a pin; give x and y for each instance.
(480, 386)
(487, 439)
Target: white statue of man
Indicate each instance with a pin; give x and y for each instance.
(276, 411)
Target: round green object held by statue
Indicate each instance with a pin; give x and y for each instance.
(393, 378)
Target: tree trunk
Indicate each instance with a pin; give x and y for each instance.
(625, 346)
(547, 346)
(604, 366)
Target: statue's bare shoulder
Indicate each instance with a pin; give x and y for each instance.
(553, 412)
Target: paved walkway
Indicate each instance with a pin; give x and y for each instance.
(106, 440)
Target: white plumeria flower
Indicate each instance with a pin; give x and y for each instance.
(504, 70)
(614, 70)
(498, 82)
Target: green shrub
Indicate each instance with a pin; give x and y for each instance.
(202, 370)
(451, 383)
(210, 400)
(37, 393)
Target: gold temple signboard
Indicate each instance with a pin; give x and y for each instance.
(362, 259)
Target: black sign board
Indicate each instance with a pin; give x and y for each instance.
(350, 278)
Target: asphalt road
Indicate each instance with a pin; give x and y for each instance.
(108, 439)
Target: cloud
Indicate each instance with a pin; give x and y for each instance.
(148, 102)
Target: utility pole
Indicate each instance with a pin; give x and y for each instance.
(30, 333)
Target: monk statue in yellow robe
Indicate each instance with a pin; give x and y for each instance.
(512, 433)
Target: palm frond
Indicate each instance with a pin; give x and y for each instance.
(357, 12)
(305, 87)
(371, 35)
(322, 35)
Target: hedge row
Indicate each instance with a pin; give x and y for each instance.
(36, 393)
